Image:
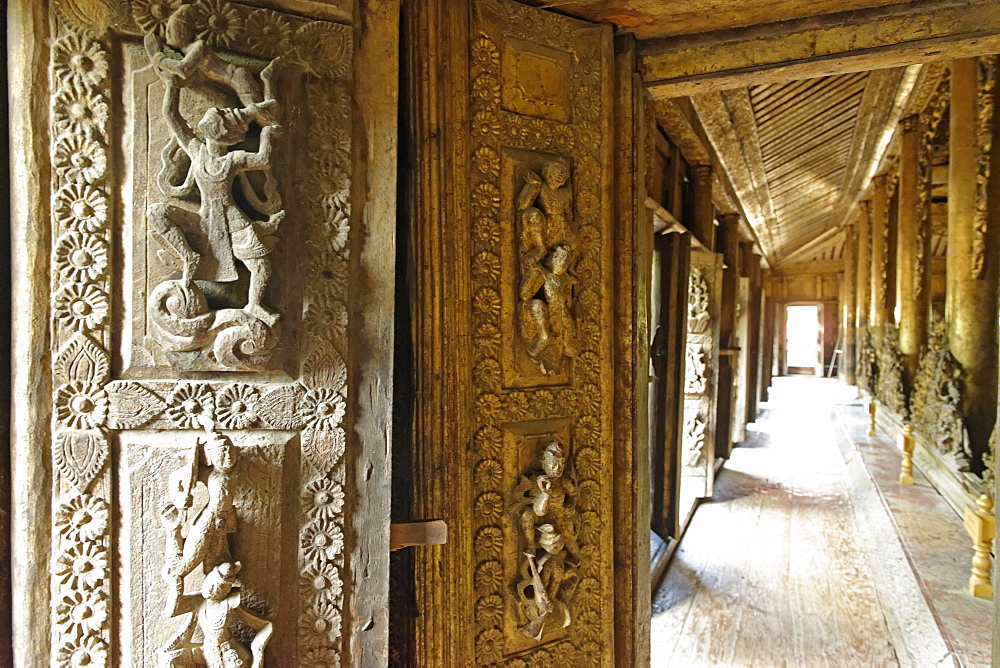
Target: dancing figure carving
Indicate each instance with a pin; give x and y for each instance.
(549, 523)
(547, 287)
(206, 246)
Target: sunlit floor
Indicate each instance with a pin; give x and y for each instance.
(774, 571)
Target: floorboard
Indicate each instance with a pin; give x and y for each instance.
(771, 571)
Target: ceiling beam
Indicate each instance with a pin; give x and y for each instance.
(853, 41)
(717, 121)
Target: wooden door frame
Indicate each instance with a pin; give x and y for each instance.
(675, 252)
(820, 306)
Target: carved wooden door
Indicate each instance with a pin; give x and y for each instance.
(700, 379)
(206, 482)
(517, 407)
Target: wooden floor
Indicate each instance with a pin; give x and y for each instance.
(771, 572)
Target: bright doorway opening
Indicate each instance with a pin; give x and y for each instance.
(804, 339)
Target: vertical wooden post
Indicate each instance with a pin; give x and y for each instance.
(912, 296)
(862, 337)
(864, 264)
(879, 314)
(753, 332)
(702, 221)
(668, 360)
(632, 242)
(727, 243)
(970, 303)
(849, 306)
(768, 342)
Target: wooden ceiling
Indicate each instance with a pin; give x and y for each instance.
(798, 153)
(649, 19)
(806, 129)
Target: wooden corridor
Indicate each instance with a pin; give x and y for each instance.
(773, 570)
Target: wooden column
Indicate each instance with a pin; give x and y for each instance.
(912, 295)
(752, 261)
(864, 288)
(702, 221)
(633, 249)
(971, 302)
(879, 209)
(768, 342)
(727, 243)
(864, 284)
(668, 366)
(849, 306)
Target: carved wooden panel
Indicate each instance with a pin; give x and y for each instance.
(540, 464)
(201, 219)
(700, 379)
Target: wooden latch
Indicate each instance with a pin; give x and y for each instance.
(411, 534)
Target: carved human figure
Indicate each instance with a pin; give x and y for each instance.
(211, 614)
(695, 370)
(230, 234)
(239, 207)
(698, 303)
(534, 312)
(549, 526)
(554, 198)
(559, 296)
(546, 290)
(206, 542)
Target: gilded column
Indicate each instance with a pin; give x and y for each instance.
(971, 299)
(863, 274)
(849, 307)
(702, 220)
(879, 210)
(911, 290)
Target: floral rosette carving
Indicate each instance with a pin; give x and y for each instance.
(80, 310)
(325, 52)
(579, 146)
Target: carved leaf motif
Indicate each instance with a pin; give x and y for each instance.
(132, 405)
(280, 408)
(323, 448)
(325, 48)
(82, 359)
(80, 455)
(91, 17)
(326, 368)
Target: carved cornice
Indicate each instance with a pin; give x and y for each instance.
(722, 130)
(910, 123)
(745, 124)
(682, 133)
(927, 88)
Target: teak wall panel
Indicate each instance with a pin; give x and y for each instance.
(210, 315)
(514, 245)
